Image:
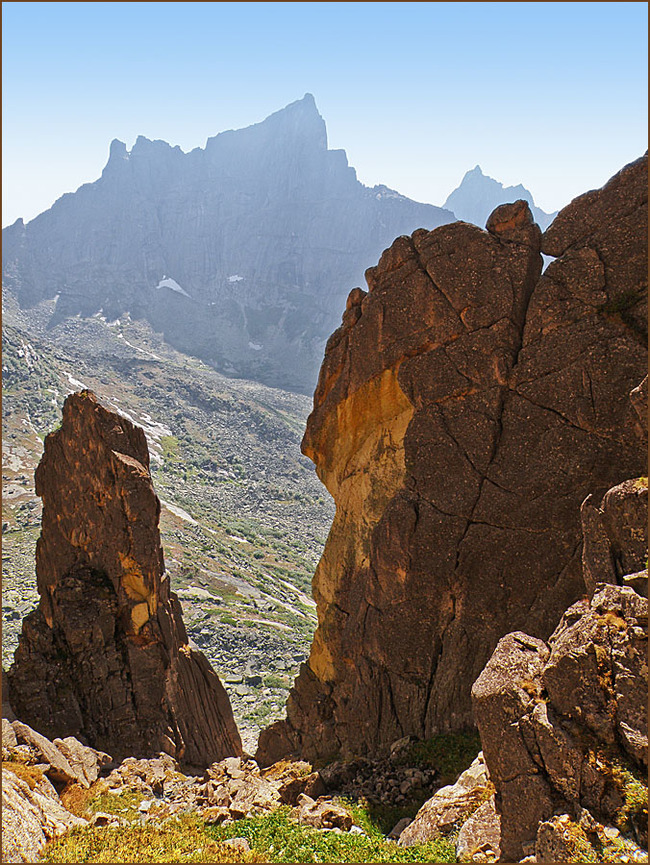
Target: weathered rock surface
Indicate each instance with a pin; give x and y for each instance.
(322, 814)
(46, 753)
(237, 785)
(86, 762)
(379, 781)
(30, 817)
(563, 839)
(563, 725)
(241, 253)
(449, 806)
(479, 838)
(615, 531)
(465, 409)
(639, 397)
(105, 657)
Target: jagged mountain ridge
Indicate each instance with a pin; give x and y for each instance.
(242, 253)
(477, 196)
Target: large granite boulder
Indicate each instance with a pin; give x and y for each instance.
(465, 408)
(105, 656)
(241, 253)
(563, 724)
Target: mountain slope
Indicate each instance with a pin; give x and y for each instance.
(241, 253)
(478, 195)
(244, 516)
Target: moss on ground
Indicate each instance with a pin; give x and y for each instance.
(272, 837)
(278, 838)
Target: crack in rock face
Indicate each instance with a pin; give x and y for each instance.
(105, 656)
(465, 408)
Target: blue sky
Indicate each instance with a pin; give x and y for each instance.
(551, 95)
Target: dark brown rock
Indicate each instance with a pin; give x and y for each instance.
(464, 410)
(105, 656)
(615, 532)
(639, 398)
(7, 710)
(557, 722)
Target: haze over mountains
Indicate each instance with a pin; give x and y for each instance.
(478, 195)
(241, 253)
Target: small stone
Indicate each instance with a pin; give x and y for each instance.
(240, 844)
(398, 828)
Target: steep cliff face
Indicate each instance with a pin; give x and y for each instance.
(242, 253)
(464, 410)
(105, 655)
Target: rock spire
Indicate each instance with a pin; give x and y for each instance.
(105, 656)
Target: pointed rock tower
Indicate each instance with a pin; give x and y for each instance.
(105, 656)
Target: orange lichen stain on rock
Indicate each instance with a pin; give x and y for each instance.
(132, 580)
(139, 616)
(359, 456)
(348, 436)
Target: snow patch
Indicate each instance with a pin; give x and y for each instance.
(152, 429)
(76, 383)
(179, 512)
(168, 282)
(238, 539)
(137, 347)
(255, 346)
(194, 592)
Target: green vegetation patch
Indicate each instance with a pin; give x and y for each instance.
(448, 753)
(579, 846)
(278, 838)
(634, 789)
(181, 839)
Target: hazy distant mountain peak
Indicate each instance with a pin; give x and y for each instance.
(478, 195)
(298, 122)
(242, 253)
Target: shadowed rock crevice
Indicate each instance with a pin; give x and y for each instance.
(502, 394)
(105, 656)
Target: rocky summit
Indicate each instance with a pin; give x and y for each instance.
(105, 656)
(241, 253)
(465, 408)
